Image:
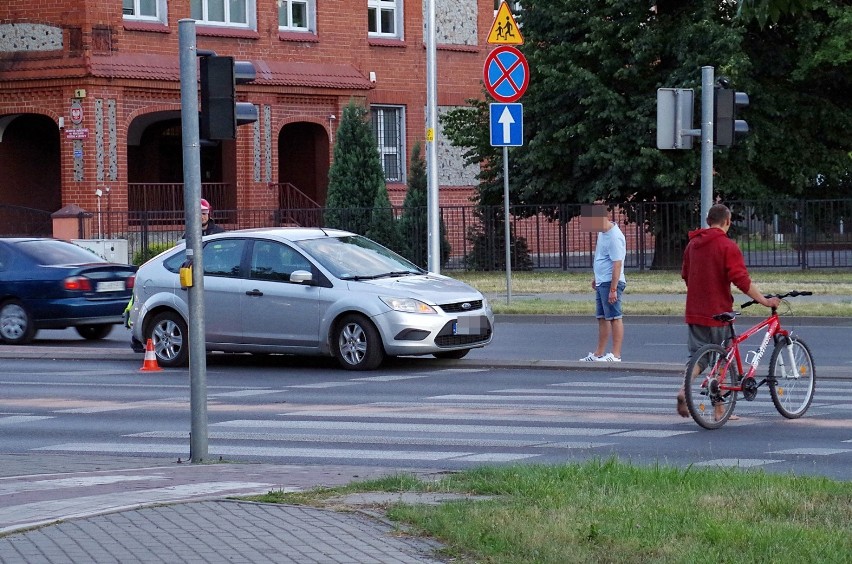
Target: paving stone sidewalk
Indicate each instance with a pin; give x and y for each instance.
(113, 513)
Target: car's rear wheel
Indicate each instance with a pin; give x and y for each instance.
(16, 324)
(452, 355)
(357, 344)
(94, 332)
(167, 331)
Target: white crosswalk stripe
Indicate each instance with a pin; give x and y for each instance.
(500, 425)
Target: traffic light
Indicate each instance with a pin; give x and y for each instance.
(726, 103)
(220, 112)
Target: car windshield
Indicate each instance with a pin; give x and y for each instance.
(49, 251)
(353, 257)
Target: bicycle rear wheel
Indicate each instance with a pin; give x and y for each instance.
(707, 370)
(792, 387)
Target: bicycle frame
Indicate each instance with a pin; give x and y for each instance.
(772, 324)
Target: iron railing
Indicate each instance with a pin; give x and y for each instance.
(778, 234)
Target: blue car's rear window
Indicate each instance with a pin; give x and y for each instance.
(57, 252)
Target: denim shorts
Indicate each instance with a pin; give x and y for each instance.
(604, 309)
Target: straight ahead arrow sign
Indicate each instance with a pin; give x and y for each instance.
(507, 125)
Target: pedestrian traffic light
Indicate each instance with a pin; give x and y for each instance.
(220, 112)
(726, 103)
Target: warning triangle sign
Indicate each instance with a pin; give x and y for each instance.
(504, 30)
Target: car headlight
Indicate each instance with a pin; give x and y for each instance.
(407, 305)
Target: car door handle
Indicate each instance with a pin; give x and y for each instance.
(254, 293)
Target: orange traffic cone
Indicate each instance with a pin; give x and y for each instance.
(150, 364)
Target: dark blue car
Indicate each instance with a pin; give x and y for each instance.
(53, 284)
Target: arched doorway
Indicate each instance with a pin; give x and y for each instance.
(155, 166)
(30, 162)
(303, 159)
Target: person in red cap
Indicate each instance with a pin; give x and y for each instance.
(208, 226)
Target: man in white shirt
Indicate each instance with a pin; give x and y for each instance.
(608, 283)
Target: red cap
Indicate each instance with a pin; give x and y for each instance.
(205, 205)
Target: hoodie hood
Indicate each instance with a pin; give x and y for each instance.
(701, 237)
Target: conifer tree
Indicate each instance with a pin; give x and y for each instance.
(413, 224)
(355, 175)
(383, 225)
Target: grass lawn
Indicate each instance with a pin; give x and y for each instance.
(823, 282)
(607, 511)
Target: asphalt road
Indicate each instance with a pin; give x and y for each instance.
(564, 339)
(411, 413)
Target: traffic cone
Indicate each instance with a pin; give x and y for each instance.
(150, 363)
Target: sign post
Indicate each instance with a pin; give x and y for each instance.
(506, 75)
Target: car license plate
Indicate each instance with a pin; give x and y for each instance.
(112, 286)
(473, 325)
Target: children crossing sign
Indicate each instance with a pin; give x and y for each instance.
(504, 30)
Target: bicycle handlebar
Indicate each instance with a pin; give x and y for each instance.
(792, 294)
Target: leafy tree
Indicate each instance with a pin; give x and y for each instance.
(413, 224)
(355, 175)
(590, 108)
(770, 10)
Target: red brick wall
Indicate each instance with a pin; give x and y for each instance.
(46, 82)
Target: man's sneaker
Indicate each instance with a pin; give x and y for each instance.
(608, 357)
(591, 358)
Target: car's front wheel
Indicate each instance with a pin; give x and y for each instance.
(94, 332)
(167, 331)
(356, 343)
(16, 325)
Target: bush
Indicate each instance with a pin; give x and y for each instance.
(143, 255)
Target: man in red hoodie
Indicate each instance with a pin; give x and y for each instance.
(711, 263)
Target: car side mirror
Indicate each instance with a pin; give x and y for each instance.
(301, 277)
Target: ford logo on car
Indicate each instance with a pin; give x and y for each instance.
(466, 305)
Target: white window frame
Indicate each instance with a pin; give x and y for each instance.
(160, 11)
(374, 18)
(378, 119)
(286, 6)
(251, 14)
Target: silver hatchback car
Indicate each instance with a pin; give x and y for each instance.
(308, 291)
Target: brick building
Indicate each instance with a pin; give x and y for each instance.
(90, 96)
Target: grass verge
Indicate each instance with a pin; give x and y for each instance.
(827, 282)
(607, 511)
(525, 286)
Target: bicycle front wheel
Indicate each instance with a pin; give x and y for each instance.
(792, 378)
(707, 373)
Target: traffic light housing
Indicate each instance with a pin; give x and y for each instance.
(220, 111)
(726, 103)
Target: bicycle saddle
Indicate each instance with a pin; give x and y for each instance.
(727, 317)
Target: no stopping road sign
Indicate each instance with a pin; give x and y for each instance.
(506, 74)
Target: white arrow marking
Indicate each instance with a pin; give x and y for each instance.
(507, 120)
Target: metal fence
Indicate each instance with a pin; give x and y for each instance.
(799, 234)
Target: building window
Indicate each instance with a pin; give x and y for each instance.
(388, 127)
(145, 10)
(383, 18)
(296, 15)
(238, 13)
(514, 5)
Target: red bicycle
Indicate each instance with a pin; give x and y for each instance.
(714, 375)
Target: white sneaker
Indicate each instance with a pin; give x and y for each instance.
(608, 357)
(591, 358)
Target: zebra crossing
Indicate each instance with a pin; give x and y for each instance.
(565, 420)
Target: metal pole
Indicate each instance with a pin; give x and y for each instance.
(432, 209)
(707, 80)
(191, 198)
(507, 236)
